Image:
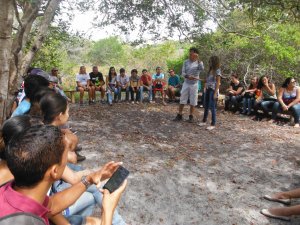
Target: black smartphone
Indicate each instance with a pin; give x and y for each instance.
(116, 179)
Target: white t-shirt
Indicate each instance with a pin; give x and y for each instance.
(82, 78)
(123, 80)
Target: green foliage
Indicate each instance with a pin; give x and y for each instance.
(106, 51)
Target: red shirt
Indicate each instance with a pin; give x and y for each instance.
(146, 80)
(12, 201)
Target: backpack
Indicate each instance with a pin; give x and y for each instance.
(22, 218)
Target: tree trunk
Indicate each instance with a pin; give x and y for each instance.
(6, 22)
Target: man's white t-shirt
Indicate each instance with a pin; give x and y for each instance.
(123, 80)
(82, 78)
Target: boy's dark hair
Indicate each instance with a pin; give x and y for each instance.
(52, 105)
(32, 84)
(144, 70)
(12, 127)
(122, 70)
(30, 154)
(134, 70)
(194, 49)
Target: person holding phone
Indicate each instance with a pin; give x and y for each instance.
(191, 70)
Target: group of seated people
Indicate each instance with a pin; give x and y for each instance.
(261, 95)
(134, 85)
(39, 178)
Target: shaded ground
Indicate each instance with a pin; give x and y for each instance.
(183, 174)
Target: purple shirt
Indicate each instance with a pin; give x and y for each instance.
(12, 201)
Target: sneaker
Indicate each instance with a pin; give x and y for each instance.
(178, 118)
(151, 102)
(191, 119)
(164, 103)
(90, 102)
(202, 124)
(132, 102)
(210, 127)
(80, 157)
(137, 102)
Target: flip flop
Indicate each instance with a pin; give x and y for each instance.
(282, 201)
(267, 213)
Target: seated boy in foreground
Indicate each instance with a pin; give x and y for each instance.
(37, 158)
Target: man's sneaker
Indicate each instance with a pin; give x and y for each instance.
(132, 102)
(164, 103)
(178, 118)
(80, 157)
(202, 124)
(191, 119)
(210, 127)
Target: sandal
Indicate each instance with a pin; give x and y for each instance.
(282, 201)
(267, 213)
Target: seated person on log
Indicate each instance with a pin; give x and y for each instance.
(234, 92)
(111, 85)
(97, 84)
(173, 85)
(146, 85)
(249, 96)
(288, 99)
(45, 161)
(123, 84)
(83, 84)
(159, 83)
(134, 86)
(266, 99)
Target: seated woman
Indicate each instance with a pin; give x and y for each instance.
(55, 111)
(288, 100)
(111, 82)
(266, 99)
(283, 213)
(234, 92)
(134, 86)
(249, 96)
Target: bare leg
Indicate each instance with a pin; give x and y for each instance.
(192, 109)
(287, 194)
(181, 109)
(286, 211)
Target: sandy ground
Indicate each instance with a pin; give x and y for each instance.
(183, 174)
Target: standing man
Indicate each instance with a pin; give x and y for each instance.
(190, 71)
(97, 84)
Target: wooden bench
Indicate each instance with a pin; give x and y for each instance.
(71, 94)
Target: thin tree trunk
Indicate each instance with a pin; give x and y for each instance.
(6, 22)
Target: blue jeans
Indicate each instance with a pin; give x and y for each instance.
(137, 95)
(120, 89)
(142, 89)
(295, 109)
(210, 103)
(85, 204)
(247, 105)
(109, 94)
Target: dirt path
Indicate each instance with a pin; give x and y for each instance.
(182, 174)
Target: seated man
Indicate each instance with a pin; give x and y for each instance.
(134, 86)
(36, 158)
(83, 84)
(97, 84)
(55, 83)
(234, 96)
(158, 81)
(146, 85)
(173, 85)
(123, 84)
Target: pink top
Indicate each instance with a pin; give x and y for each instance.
(12, 201)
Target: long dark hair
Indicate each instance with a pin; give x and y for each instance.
(260, 82)
(52, 105)
(110, 73)
(214, 63)
(287, 82)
